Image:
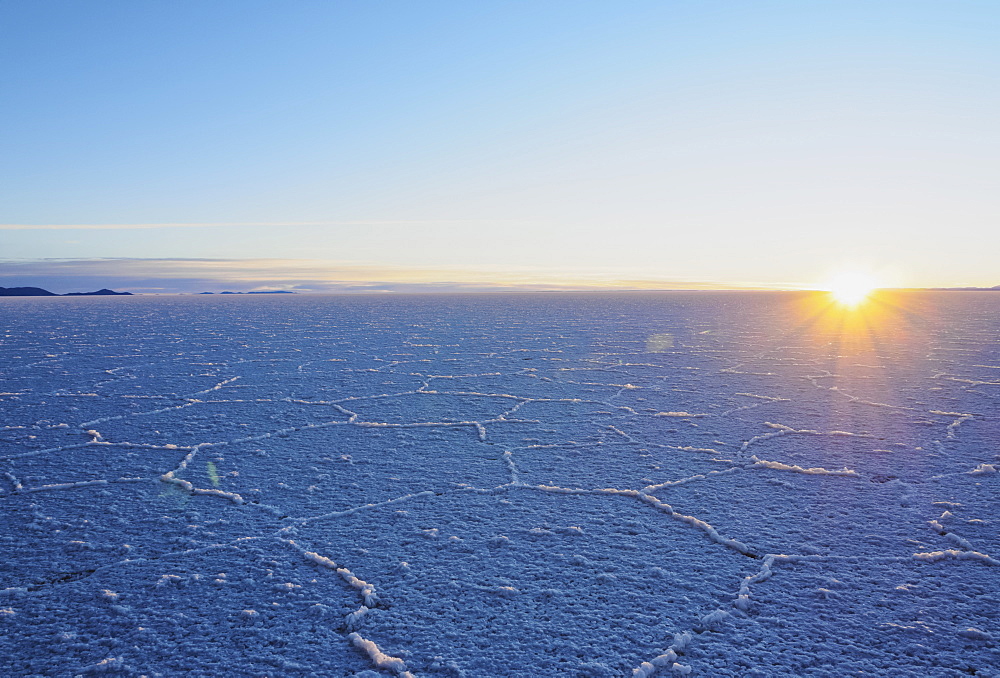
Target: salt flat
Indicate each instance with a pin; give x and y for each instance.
(716, 484)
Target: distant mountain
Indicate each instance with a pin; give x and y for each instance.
(25, 292)
(105, 292)
(39, 292)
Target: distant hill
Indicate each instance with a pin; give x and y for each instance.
(25, 292)
(39, 292)
(105, 292)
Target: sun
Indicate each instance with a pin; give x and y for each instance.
(851, 288)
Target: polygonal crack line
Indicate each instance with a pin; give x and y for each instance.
(423, 390)
(171, 476)
(54, 487)
(367, 592)
(352, 621)
(478, 425)
(964, 550)
(741, 600)
(508, 458)
(96, 440)
(191, 402)
(781, 430)
(668, 658)
(188, 399)
(895, 409)
(19, 489)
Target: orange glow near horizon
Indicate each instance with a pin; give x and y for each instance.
(851, 288)
(863, 353)
(859, 322)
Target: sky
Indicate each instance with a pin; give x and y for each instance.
(425, 145)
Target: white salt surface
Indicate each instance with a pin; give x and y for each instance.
(714, 484)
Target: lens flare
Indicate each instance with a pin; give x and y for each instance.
(851, 288)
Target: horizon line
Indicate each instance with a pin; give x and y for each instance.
(224, 224)
(177, 274)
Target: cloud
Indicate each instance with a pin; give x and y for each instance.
(303, 275)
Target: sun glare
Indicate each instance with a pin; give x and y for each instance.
(851, 288)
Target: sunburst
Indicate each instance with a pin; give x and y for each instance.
(851, 288)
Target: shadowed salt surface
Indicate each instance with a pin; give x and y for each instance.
(717, 484)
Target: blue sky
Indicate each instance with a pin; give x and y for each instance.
(175, 146)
